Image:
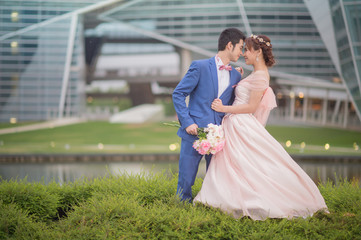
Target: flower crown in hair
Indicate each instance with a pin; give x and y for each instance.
(260, 40)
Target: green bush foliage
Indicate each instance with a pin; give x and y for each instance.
(70, 194)
(144, 206)
(32, 197)
(16, 223)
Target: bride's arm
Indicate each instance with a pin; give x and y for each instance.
(250, 107)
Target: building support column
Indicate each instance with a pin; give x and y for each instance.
(292, 106)
(67, 64)
(140, 93)
(324, 109)
(305, 108)
(185, 60)
(336, 111)
(345, 114)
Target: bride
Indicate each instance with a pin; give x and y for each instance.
(253, 175)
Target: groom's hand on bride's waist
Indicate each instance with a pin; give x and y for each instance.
(192, 129)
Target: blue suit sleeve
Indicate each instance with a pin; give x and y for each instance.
(184, 89)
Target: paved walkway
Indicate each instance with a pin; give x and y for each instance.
(138, 114)
(36, 126)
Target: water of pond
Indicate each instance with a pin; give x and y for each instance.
(63, 172)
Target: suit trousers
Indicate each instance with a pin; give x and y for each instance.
(188, 167)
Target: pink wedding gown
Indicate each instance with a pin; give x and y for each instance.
(253, 175)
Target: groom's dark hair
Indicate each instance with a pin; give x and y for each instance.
(232, 35)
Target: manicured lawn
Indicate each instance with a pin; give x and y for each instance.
(92, 137)
(315, 138)
(104, 137)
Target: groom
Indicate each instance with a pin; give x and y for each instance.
(205, 80)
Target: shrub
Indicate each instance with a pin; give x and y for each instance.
(31, 197)
(145, 188)
(144, 206)
(15, 223)
(101, 217)
(70, 194)
(342, 196)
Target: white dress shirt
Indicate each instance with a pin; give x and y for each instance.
(223, 77)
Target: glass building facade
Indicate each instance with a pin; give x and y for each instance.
(296, 40)
(346, 18)
(43, 61)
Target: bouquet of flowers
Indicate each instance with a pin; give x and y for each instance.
(210, 139)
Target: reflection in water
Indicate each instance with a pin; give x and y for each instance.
(63, 172)
(321, 171)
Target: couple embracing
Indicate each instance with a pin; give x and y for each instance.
(253, 175)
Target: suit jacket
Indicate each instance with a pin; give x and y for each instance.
(200, 83)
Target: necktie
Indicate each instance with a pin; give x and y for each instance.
(223, 67)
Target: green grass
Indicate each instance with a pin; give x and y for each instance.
(104, 137)
(86, 137)
(145, 207)
(343, 142)
(316, 136)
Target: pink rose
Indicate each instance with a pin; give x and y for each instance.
(201, 151)
(219, 146)
(205, 145)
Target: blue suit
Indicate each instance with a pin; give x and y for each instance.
(200, 83)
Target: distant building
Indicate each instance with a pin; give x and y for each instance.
(49, 50)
